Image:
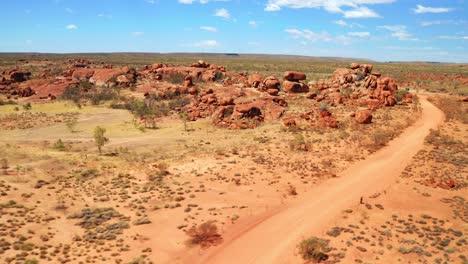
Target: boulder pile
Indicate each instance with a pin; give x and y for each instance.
(292, 82)
(250, 113)
(358, 85)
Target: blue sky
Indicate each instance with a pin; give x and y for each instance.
(383, 30)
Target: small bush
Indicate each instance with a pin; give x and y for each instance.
(312, 250)
(323, 107)
(205, 235)
(381, 137)
(299, 143)
(175, 78)
(27, 107)
(142, 221)
(89, 173)
(71, 124)
(334, 232)
(72, 93)
(59, 145)
(99, 138)
(219, 75)
(401, 94)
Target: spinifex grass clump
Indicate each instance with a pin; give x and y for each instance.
(93, 220)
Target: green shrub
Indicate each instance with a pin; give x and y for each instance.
(323, 107)
(313, 249)
(99, 138)
(59, 145)
(27, 106)
(175, 78)
(401, 94)
(381, 137)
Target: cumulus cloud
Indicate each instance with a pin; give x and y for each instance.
(224, 13)
(253, 23)
(207, 28)
(442, 22)
(453, 37)
(308, 35)
(398, 31)
(346, 24)
(359, 34)
(72, 26)
(420, 9)
(333, 6)
(361, 12)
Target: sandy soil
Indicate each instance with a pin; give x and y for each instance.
(272, 237)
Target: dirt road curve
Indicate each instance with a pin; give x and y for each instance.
(273, 239)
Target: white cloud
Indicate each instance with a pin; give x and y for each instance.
(398, 31)
(72, 26)
(420, 9)
(332, 6)
(151, 1)
(308, 35)
(253, 23)
(211, 29)
(207, 44)
(453, 37)
(359, 34)
(410, 48)
(344, 40)
(186, 1)
(105, 16)
(68, 10)
(341, 23)
(137, 33)
(224, 13)
(361, 12)
(442, 22)
(346, 24)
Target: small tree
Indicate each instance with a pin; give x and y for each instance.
(99, 138)
(184, 118)
(71, 124)
(59, 145)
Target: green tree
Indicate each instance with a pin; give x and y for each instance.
(184, 118)
(99, 138)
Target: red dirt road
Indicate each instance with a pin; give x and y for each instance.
(272, 238)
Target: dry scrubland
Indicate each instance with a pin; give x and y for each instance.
(162, 190)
